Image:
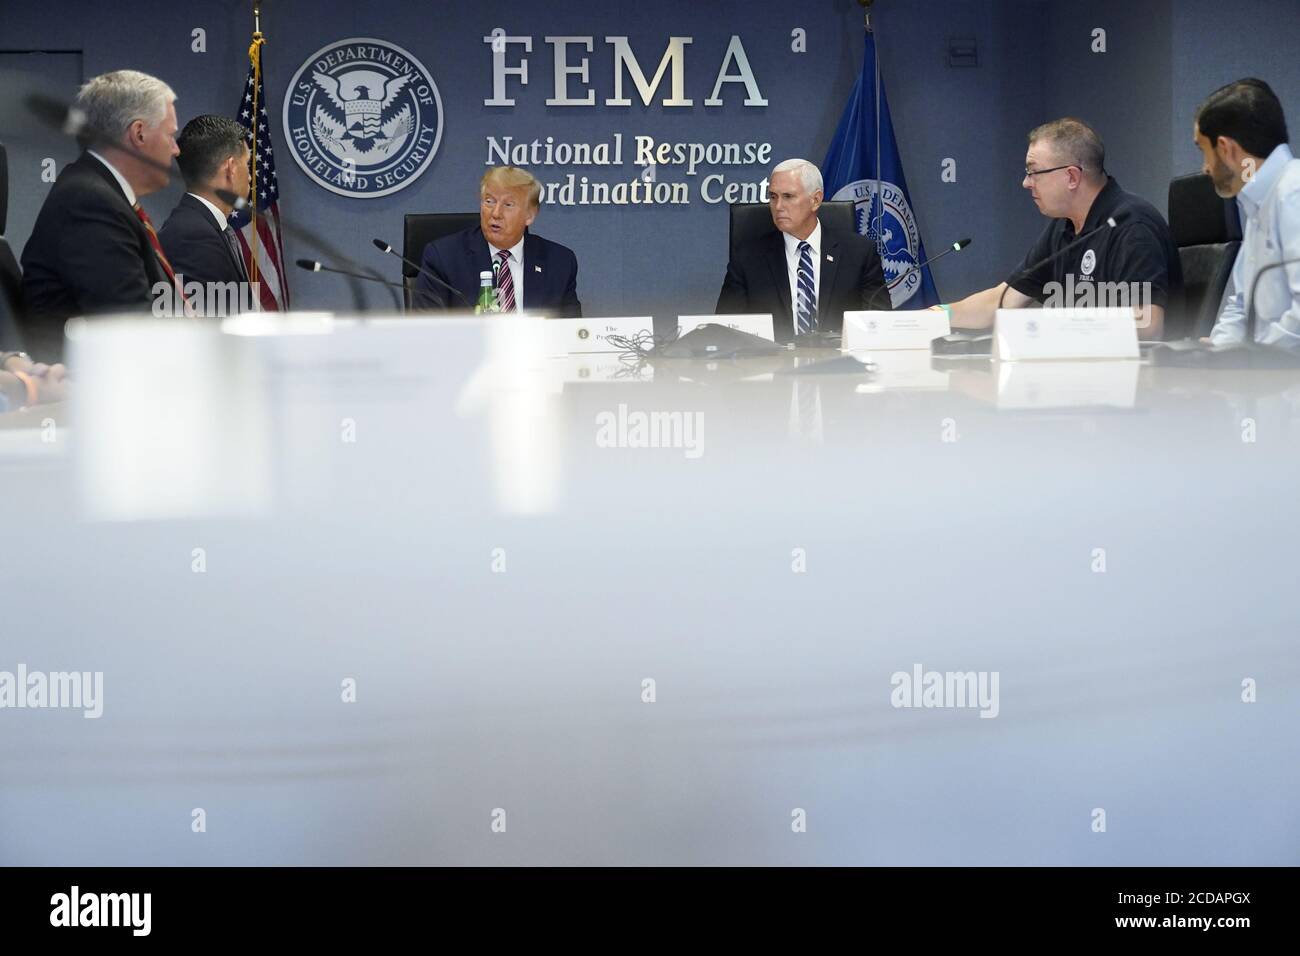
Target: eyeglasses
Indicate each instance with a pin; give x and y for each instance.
(1031, 173)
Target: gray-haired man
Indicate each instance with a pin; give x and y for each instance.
(93, 248)
(804, 276)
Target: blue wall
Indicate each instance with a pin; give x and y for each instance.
(1035, 63)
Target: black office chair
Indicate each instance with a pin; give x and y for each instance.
(11, 277)
(420, 229)
(1207, 232)
(749, 220)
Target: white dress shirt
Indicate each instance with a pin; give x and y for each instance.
(1270, 209)
(121, 180)
(792, 269)
(516, 263)
(217, 214)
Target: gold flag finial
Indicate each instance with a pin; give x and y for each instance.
(866, 13)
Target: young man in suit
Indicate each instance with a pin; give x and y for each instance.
(93, 248)
(197, 237)
(532, 274)
(805, 277)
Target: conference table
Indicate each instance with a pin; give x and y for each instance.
(395, 591)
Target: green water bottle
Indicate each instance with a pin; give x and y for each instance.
(487, 295)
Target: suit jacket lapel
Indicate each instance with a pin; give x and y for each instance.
(781, 278)
(205, 214)
(481, 258)
(534, 270)
(825, 288)
(152, 267)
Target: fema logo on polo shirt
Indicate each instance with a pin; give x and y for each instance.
(1089, 262)
(363, 117)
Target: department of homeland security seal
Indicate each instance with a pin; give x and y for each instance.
(363, 116)
(887, 220)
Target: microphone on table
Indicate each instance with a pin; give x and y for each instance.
(957, 246)
(1246, 354)
(1110, 223)
(428, 273)
(312, 265)
(981, 343)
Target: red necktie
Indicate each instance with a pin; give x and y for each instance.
(505, 282)
(158, 250)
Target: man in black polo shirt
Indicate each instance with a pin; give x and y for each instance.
(1135, 263)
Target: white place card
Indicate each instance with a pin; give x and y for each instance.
(760, 325)
(905, 329)
(577, 336)
(1027, 334)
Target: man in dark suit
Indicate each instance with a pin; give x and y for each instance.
(92, 248)
(805, 277)
(531, 274)
(197, 237)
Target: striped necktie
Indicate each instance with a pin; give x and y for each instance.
(505, 282)
(229, 234)
(806, 300)
(158, 251)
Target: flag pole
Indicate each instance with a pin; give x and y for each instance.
(255, 58)
(879, 205)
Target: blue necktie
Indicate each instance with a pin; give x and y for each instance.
(806, 300)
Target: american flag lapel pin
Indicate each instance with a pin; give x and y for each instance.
(830, 258)
(537, 268)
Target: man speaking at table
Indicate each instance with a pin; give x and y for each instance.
(93, 249)
(804, 276)
(1065, 173)
(531, 273)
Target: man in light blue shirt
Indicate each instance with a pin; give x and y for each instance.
(1241, 132)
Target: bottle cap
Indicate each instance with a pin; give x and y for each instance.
(487, 274)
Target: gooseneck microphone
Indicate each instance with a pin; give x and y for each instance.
(312, 265)
(427, 273)
(1110, 223)
(957, 246)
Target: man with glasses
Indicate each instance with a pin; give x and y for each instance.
(1066, 176)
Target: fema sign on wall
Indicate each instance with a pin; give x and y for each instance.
(363, 117)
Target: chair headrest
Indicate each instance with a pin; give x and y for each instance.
(1197, 216)
(421, 228)
(751, 220)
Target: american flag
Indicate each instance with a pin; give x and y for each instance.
(258, 230)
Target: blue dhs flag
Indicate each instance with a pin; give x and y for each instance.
(864, 156)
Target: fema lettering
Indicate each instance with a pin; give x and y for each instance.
(364, 117)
